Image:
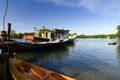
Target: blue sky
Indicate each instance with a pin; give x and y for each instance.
(79, 16)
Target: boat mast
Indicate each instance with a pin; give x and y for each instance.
(5, 15)
(3, 35)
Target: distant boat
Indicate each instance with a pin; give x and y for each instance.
(111, 41)
(22, 70)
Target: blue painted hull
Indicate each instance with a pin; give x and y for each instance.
(27, 47)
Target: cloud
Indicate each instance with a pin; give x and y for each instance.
(103, 7)
(62, 2)
(89, 4)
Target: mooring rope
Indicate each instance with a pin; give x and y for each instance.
(5, 14)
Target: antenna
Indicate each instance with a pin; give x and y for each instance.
(5, 14)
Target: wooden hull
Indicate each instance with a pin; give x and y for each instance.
(27, 47)
(22, 70)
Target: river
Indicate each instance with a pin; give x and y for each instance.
(86, 59)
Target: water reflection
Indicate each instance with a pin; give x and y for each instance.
(43, 55)
(51, 59)
(26, 56)
(54, 55)
(118, 55)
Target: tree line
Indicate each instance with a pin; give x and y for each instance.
(20, 35)
(13, 34)
(97, 36)
(117, 34)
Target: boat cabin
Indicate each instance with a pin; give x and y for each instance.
(61, 33)
(42, 35)
(45, 33)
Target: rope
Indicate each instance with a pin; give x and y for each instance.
(5, 14)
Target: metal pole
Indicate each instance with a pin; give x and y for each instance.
(5, 14)
(9, 30)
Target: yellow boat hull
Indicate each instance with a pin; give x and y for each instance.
(22, 70)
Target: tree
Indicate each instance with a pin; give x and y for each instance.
(29, 33)
(20, 35)
(118, 32)
(13, 34)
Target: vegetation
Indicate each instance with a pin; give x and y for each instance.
(97, 36)
(20, 35)
(118, 32)
(13, 34)
(102, 35)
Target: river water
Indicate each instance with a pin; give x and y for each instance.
(86, 59)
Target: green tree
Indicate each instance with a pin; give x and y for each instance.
(118, 32)
(97, 36)
(13, 34)
(20, 35)
(29, 33)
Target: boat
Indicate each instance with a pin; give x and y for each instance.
(35, 46)
(111, 41)
(42, 40)
(22, 70)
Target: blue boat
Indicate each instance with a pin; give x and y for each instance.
(43, 39)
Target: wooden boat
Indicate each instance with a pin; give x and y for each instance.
(22, 70)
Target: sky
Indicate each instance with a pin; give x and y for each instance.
(87, 17)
